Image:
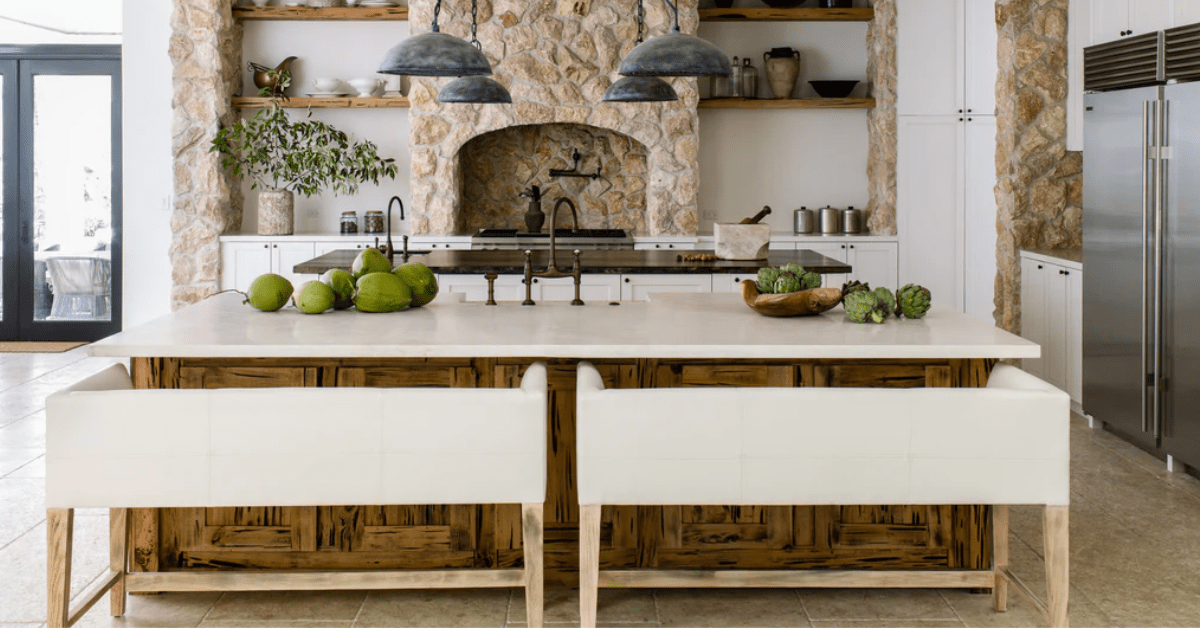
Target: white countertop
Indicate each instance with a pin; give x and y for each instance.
(700, 326)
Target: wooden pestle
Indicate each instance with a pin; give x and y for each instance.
(757, 217)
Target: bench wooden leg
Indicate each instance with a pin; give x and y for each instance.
(118, 552)
(1000, 555)
(1055, 529)
(589, 564)
(532, 537)
(59, 530)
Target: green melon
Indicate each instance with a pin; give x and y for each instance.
(269, 292)
(420, 280)
(370, 261)
(314, 297)
(382, 292)
(342, 283)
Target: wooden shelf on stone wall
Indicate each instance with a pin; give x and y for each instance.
(810, 14)
(342, 102)
(790, 103)
(338, 14)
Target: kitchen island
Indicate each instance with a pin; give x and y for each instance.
(676, 340)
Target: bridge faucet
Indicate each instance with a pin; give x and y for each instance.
(552, 269)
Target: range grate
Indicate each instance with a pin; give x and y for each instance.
(558, 233)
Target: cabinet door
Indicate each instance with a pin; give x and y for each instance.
(321, 248)
(242, 263)
(833, 250)
(1033, 311)
(1057, 326)
(874, 263)
(929, 55)
(286, 255)
(664, 246)
(929, 199)
(474, 287)
(981, 63)
(783, 246)
(597, 288)
(1147, 16)
(1186, 12)
(731, 282)
(1074, 298)
(1110, 18)
(639, 287)
(979, 219)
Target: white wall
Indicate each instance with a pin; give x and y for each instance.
(322, 51)
(785, 158)
(148, 187)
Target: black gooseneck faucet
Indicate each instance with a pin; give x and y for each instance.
(391, 250)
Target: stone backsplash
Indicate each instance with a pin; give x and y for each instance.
(557, 58)
(498, 166)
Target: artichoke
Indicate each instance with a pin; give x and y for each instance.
(795, 269)
(809, 281)
(786, 283)
(886, 299)
(865, 307)
(854, 286)
(913, 301)
(766, 279)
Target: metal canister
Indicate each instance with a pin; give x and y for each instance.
(805, 221)
(349, 223)
(749, 79)
(851, 221)
(373, 223)
(831, 221)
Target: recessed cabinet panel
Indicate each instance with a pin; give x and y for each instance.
(1147, 16)
(475, 288)
(242, 263)
(286, 255)
(592, 288)
(979, 221)
(981, 57)
(640, 287)
(929, 51)
(1186, 12)
(873, 263)
(929, 198)
(1033, 311)
(1110, 20)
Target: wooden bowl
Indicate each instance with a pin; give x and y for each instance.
(803, 303)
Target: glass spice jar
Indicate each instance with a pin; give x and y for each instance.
(349, 223)
(373, 223)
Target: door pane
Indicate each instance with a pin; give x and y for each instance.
(2, 214)
(72, 188)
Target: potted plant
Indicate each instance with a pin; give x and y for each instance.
(284, 157)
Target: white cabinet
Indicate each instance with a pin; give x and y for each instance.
(946, 55)
(639, 287)
(642, 245)
(1052, 316)
(874, 263)
(1114, 19)
(979, 217)
(243, 262)
(1186, 12)
(323, 247)
(731, 282)
(929, 205)
(510, 288)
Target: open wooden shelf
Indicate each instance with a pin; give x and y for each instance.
(338, 14)
(342, 102)
(810, 14)
(789, 103)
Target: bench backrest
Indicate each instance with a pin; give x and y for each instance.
(1005, 444)
(110, 446)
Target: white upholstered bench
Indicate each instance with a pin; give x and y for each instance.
(1004, 444)
(108, 446)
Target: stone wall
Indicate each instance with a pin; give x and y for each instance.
(881, 121)
(1039, 193)
(556, 58)
(206, 52)
(498, 166)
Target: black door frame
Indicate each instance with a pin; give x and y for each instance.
(54, 60)
(9, 145)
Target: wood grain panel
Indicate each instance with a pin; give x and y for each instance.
(726, 535)
(396, 539)
(239, 537)
(208, 378)
(876, 535)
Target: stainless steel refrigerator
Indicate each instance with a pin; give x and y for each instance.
(1141, 311)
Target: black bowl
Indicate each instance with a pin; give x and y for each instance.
(833, 89)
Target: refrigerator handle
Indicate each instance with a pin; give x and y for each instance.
(1146, 371)
(1160, 202)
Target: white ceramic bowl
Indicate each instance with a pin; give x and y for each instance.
(326, 85)
(365, 86)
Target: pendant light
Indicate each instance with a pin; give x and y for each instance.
(640, 88)
(474, 89)
(675, 54)
(435, 54)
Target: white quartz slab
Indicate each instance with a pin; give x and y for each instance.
(670, 326)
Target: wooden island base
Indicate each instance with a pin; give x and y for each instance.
(357, 537)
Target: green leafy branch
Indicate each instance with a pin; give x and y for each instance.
(304, 157)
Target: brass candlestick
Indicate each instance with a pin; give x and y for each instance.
(491, 279)
(528, 279)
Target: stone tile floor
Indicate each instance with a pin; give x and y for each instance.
(1135, 556)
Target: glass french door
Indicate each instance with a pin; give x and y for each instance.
(62, 197)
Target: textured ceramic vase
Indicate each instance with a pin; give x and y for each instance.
(276, 212)
(783, 68)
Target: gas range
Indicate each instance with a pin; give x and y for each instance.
(583, 239)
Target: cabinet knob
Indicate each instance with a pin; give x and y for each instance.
(843, 247)
(670, 246)
(658, 246)
(1039, 266)
(970, 119)
(960, 110)
(627, 280)
(276, 246)
(851, 246)
(266, 246)
(970, 110)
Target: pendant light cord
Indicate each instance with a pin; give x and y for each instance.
(641, 19)
(676, 10)
(437, 9)
(475, 24)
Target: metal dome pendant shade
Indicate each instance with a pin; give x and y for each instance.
(641, 89)
(435, 54)
(674, 54)
(479, 90)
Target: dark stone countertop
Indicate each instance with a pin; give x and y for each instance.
(610, 262)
